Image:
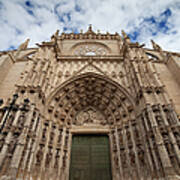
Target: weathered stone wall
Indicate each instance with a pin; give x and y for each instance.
(125, 94)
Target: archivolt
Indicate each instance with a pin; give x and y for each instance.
(90, 90)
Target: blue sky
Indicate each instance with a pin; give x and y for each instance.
(39, 19)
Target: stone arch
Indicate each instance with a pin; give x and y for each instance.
(86, 91)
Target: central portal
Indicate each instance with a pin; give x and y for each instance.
(90, 158)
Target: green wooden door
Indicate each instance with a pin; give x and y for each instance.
(90, 158)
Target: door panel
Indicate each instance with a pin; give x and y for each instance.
(90, 158)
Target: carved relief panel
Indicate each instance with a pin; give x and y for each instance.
(90, 50)
(89, 116)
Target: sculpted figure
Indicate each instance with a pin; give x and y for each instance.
(39, 156)
(156, 46)
(48, 158)
(124, 34)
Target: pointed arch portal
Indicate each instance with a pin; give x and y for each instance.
(94, 92)
(94, 105)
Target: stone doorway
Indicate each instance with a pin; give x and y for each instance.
(90, 158)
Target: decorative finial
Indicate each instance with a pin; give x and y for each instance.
(81, 31)
(90, 27)
(56, 33)
(24, 45)
(156, 46)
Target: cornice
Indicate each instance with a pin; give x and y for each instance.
(111, 57)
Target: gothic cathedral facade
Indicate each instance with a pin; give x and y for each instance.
(89, 106)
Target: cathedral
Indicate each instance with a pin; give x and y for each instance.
(89, 106)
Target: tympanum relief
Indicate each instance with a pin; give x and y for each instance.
(90, 116)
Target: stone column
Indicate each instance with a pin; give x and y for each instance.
(166, 163)
(146, 148)
(118, 149)
(149, 133)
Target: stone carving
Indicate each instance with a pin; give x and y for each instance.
(24, 45)
(89, 116)
(123, 158)
(64, 160)
(39, 155)
(48, 157)
(121, 91)
(132, 157)
(156, 46)
(90, 50)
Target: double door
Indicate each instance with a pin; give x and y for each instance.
(90, 158)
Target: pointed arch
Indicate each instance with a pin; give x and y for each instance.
(89, 74)
(90, 90)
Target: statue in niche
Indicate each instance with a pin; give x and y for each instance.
(48, 158)
(12, 146)
(89, 116)
(64, 160)
(116, 161)
(56, 164)
(123, 159)
(132, 157)
(39, 155)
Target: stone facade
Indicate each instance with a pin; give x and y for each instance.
(89, 83)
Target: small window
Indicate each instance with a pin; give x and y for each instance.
(90, 53)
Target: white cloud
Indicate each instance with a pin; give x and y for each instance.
(40, 19)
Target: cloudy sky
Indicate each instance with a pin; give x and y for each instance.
(143, 20)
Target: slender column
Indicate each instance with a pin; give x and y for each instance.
(5, 149)
(149, 136)
(4, 117)
(114, 152)
(20, 146)
(112, 156)
(166, 163)
(144, 141)
(173, 139)
(64, 157)
(32, 158)
(125, 140)
(17, 155)
(118, 149)
(60, 145)
(47, 153)
(135, 150)
(69, 154)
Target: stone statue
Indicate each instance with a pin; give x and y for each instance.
(124, 34)
(55, 35)
(156, 46)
